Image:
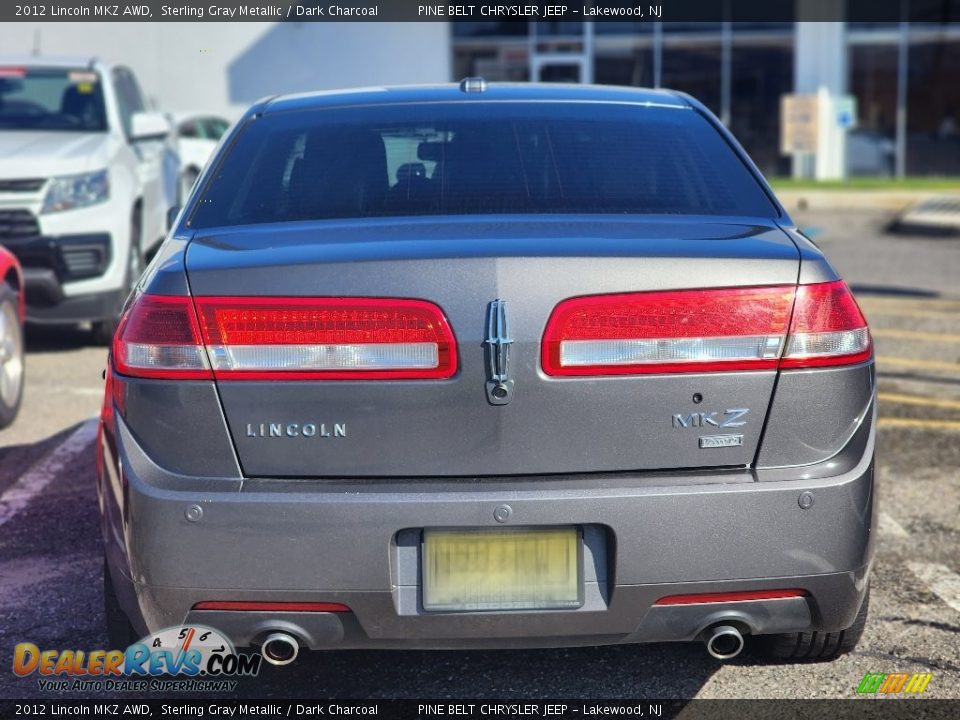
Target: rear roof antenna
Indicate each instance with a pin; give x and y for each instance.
(473, 85)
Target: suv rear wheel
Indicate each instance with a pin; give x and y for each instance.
(814, 646)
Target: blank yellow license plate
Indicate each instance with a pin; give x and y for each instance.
(516, 569)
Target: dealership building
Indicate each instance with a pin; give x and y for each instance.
(893, 89)
(902, 80)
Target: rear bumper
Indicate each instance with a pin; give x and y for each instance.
(357, 544)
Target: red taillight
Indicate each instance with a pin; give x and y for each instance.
(241, 338)
(257, 606)
(741, 596)
(326, 338)
(827, 328)
(158, 337)
(668, 332)
(711, 330)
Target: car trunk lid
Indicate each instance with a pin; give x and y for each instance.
(453, 427)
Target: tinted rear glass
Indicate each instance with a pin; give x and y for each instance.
(477, 158)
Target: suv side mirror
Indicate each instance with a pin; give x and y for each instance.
(148, 126)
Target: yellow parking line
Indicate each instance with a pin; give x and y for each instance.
(901, 399)
(883, 360)
(918, 336)
(919, 424)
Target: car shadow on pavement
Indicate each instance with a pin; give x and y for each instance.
(15, 460)
(57, 338)
(670, 670)
(860, 289)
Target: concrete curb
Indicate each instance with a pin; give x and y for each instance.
(892, 201)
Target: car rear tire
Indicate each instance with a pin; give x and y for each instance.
(815, 646)
(11, 355)
(103, 330)
(120, 630)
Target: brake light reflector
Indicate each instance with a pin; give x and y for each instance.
(827, 328)
(257, 606)
(741, 596)
(326, 338)
(668, 331)
(158, 337)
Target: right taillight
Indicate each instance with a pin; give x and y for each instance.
(705, 330)
(827, 328)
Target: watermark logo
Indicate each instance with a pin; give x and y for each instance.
(201, 657)
(894, 683)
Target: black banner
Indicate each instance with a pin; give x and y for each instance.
(638, 11)
(893, 709)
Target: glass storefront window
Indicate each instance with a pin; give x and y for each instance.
(873, 82)
(694, 70)
(495, 62)
(481, 29)
(760, 75)
(933, 108)
(632, 67)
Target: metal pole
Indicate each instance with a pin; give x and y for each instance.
(533, 67)
(902, 79)
(588, 52)
(657, 53)
(726, 43)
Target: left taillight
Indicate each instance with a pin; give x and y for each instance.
(159, 337)
(284, 338)
(334, 338)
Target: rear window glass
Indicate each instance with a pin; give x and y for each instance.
(477, 158)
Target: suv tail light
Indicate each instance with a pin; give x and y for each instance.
(722, 329)
(241, 338)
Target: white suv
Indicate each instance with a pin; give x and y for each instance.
(87, 176)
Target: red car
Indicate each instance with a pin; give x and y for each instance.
(12, 309)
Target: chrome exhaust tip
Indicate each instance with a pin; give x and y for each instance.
(280, 648)
(724, 642)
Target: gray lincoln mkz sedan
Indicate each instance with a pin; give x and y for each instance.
(489, 366)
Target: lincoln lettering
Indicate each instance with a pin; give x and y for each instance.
(295, 430)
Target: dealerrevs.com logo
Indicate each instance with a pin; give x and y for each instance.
(188, 658)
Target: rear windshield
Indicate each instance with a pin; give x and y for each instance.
(477, 158)
(51, 99)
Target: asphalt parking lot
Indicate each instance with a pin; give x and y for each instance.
(50, 591)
